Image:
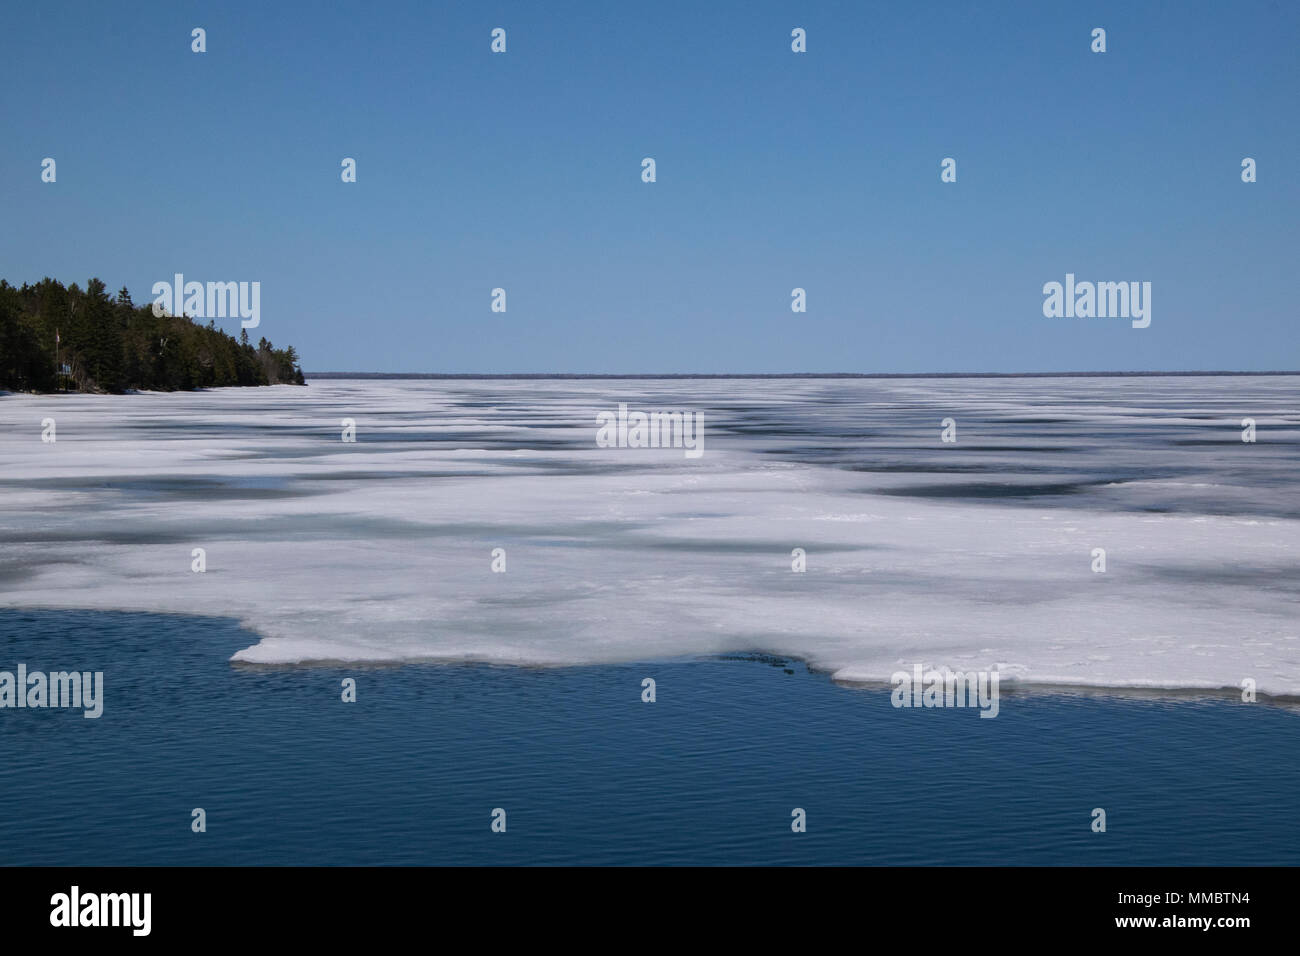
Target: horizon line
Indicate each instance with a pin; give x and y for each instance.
(693, 375)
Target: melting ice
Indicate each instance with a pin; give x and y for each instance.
(971, 555)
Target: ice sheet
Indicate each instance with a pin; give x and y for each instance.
(970, 555)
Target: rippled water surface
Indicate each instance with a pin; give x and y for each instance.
(589, 774)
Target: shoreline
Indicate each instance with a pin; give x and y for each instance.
(653, 376)
(146, 391)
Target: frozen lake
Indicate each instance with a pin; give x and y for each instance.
(971, 554)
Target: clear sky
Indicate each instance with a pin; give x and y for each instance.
(775, 170)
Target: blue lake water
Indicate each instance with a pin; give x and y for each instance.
(589, 774)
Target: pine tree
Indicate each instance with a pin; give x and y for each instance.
(112, 344)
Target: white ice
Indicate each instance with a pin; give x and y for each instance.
(381, 550)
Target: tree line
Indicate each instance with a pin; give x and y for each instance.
(109, 344)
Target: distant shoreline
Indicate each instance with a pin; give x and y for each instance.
(696, 375)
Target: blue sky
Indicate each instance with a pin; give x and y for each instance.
(775, 170)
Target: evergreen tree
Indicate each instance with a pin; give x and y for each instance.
(110, 344)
